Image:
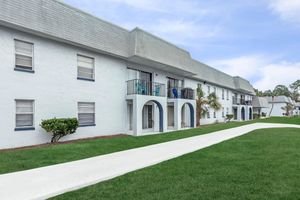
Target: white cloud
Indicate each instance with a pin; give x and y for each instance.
(288, 10)
(263, 72)
(279, 73)
(180, 31)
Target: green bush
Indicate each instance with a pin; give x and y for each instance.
(256, 116)
(59, 128)
(229, 118)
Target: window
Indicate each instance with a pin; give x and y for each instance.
(24, 114)
(24, 56)
(86, 114)
(227, 94)
(215, 114)
(85, 68)
(223, 112)
(208, 114)
(208, 89)
(223, 94)
(227, 111)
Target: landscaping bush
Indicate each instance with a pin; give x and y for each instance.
(59, 128)
(256, 116)
(229, 118)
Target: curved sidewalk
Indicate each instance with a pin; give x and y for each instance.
(45, 182)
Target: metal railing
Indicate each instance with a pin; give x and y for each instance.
(143, 87)
(239, 101)
(181, 93)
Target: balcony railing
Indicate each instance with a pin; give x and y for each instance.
(181, 93)
(239, 101)
(143, 87)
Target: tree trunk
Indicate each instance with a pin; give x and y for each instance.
(272, 106)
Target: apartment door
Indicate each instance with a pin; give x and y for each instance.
(146, 82)
(147, 117)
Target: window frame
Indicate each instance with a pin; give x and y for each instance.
(94, 113)
(23, 68)
(94, 68)
(227, 94)
(223, 94)
(24, 128)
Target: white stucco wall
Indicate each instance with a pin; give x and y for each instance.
(56, 90)
(277, 109)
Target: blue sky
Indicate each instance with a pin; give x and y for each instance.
(256, 39)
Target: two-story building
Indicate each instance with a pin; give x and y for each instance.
(57, 61)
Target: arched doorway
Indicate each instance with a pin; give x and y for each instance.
(148, 115)
(191, 117)
(243, 114)
(250, 113)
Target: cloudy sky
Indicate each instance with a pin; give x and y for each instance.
(256, 39)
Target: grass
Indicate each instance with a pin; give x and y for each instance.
(23, 159)
(261, 165)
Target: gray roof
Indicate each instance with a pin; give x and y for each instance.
(280, 99)
(260, 102)
(58, 21)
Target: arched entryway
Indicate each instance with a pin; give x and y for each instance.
(191, 116)
(250, 113)
(148, 118)
(243, 114)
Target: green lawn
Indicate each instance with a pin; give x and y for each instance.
(16, 160)
(264, 164)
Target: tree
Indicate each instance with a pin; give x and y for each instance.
(281, 90)
(273, 98)
(59, 128)
(258, 93)
(267, 93)
(200, 102)
(203, 103)
(213, 101)
(295, 90)
(288, 108)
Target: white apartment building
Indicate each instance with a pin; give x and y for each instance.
(57, 61)
(277, 106)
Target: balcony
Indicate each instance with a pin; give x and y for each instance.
(239, 101)
(181, 93)
(143, 87)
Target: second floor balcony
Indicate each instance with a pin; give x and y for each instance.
(240, 101)
(181, 93)
(144, 87)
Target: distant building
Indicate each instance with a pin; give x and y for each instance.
(259, 105)
(277, 105)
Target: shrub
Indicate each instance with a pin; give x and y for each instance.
(59, 128)
(256, 116)
(229, 118)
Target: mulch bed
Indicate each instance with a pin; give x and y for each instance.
(63, 142)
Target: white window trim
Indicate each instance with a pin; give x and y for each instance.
(33, 115)
(94, 63)
(15, 54)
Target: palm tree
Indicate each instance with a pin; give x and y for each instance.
(288, 108)
(202, 103)
(271, 110)
(213, 101)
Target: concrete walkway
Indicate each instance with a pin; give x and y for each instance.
(53, 180)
